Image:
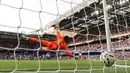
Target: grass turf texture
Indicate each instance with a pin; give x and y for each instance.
(83, 66)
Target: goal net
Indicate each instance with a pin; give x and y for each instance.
(92, 26)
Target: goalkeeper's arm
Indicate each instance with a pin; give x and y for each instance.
(68, 52)
(58, 33)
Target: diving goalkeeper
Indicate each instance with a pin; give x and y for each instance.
(60, 43)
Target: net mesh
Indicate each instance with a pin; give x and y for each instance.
(84, 22)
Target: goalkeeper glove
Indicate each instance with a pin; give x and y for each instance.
(56, 25)
(25, 37)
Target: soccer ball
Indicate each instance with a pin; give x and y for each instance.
(107, 58)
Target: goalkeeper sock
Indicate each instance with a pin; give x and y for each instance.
(25, 37)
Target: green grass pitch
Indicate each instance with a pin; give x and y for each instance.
(66, 66)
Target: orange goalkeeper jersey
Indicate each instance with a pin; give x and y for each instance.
(58, 44)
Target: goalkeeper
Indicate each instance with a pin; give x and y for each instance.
(60, 43)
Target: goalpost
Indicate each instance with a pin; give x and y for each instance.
(93, 25)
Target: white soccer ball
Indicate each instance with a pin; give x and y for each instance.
(107, 58)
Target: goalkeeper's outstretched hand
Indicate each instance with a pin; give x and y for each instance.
(56, 25)
(25, 37)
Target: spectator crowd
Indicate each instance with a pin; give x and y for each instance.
(96, 47)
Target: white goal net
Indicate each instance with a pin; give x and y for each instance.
(92, 26)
